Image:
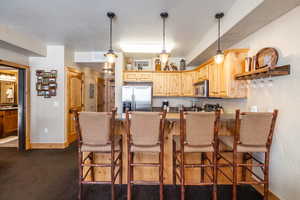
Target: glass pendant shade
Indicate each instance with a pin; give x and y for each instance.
(164, 56)
(219, 57)
(111, 56)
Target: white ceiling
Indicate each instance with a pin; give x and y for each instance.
(82, 25)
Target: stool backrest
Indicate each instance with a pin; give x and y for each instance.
(145, 128)
(256, 128)
(95, 127)
(200, 127)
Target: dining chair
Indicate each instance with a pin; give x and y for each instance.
(198, 134)
(145, 133)
(253, 134)
(96, 135)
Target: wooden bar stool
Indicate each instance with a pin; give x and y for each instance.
(145, 133)
(96, 133)
(198, 134)
(253, 133)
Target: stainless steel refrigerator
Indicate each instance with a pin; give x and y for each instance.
(137, 98)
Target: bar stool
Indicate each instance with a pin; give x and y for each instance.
(96, 133)
(253, 133)
(145, 133)
(198, 134)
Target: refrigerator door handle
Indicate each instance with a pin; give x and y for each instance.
(133, 102)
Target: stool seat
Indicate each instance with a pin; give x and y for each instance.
(101, 148)
(229, 141)
(192, 149)
(145, 148)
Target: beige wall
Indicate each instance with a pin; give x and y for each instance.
(47, 114)
(284, 35)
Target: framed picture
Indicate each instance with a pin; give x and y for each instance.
(38, 86)
(52, 85)
(52, 92)
(41, 93)
(47, 94)
(92, 90)
(45, 87)
(143, 64)
(52, 80)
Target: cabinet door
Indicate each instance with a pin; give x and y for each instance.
(213, 80)
(187, 80)
(159, 84)
(174, 84)
(224, 75)
(137, 76)
(144, 76)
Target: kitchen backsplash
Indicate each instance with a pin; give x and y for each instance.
(229, 105)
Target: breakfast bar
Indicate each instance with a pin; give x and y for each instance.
(151, 173)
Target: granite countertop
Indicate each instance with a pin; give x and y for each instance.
(176, 116)
(8, 108)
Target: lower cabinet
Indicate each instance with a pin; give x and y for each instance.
(8, 122)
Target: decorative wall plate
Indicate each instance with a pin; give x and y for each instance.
(266, 57)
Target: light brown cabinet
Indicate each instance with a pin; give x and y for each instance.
(159, 84)
(221, 78)
(137, 76)
(8, 122)
(187, 83)
(174, 84)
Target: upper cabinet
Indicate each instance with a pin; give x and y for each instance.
(137, 76)
(222, 83)
(187, 83)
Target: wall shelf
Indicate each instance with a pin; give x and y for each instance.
(265, 73)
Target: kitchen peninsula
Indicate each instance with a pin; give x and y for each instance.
(150, 174)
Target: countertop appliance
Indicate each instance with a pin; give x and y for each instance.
(202, 89)
(137, 98)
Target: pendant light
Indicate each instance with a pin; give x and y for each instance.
(219, 57)
(164, 55)
(110, 55)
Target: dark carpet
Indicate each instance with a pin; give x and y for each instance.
(52, 175)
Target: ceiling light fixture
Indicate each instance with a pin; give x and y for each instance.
(219, 57)
(110, 55)
(164, 55)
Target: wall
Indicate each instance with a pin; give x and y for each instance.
(13, 56)
(47, 115)
(283, 34)
(90, 77)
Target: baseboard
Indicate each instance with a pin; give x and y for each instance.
(49, 145)
(260, 189)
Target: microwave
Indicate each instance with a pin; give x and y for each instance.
(202, 88)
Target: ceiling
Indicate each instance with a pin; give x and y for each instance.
(83, 25)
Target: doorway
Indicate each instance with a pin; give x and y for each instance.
(13, 104)
(75, 100)
(100, 95)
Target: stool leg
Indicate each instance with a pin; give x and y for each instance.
(112, 173)
(243, 168)
(92, 168)
(129, 176)
(234, 186)
(121, 163)
(80, 175)
(161, 176)
(182, 175)
(202, 168)
(266, 176)
(174, 163)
